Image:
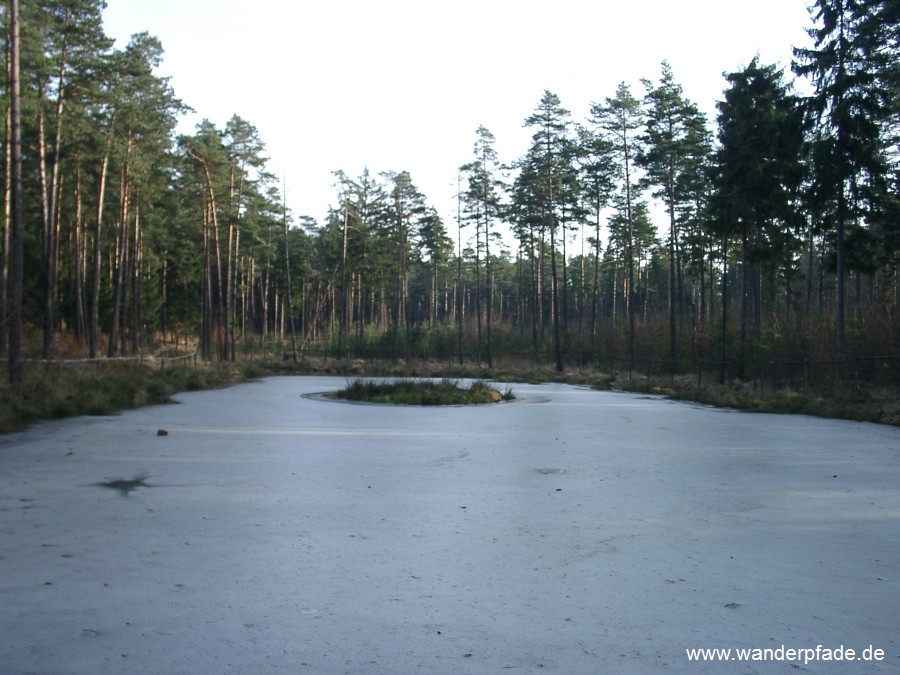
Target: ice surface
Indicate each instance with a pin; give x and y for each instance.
(570, 531)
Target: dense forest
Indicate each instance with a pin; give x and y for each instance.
(643, 234)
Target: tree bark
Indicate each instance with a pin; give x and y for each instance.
(94, 323)
(7, 209)
(17, 239)
(223, 314)
(80, 319)
(50, 211)
(121, 256)
(287, 273)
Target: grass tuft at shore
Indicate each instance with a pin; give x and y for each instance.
(56, 392)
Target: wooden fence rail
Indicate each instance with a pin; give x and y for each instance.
(138, 359)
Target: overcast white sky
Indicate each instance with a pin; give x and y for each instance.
(400, 85)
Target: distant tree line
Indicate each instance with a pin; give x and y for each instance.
(778, 222)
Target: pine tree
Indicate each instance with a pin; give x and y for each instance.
(406, 210)
(16, 364)
(208, 150)
(552, 153)
(669, 151)
(853, 66)
(435, 246)
(597, 177)
(145, 111)
(760, 138)
(245, 150)
(526, 213)
(72, 38)
(620, 119)
(482, 205)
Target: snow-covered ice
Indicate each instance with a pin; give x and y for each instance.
(570, 531)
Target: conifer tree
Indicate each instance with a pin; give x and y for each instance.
(552, 154)
(620, 119)
(16, 364)
(760, 138)
(597, 170)
(853, 67)
(481, 204)
(668, 151)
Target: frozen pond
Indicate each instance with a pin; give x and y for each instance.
(571, 531)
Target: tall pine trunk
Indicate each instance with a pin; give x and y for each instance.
(7, 208)
(94, 322)
(629, 215)
(554, 282)
(121, 257)
(17, 238)
(673, 347)
(80, 318)
(289, 309)
(51, 211)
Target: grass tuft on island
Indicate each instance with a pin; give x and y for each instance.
(422, 392)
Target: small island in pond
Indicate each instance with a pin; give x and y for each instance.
(422, 392)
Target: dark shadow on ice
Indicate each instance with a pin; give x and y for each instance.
(125, 486)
